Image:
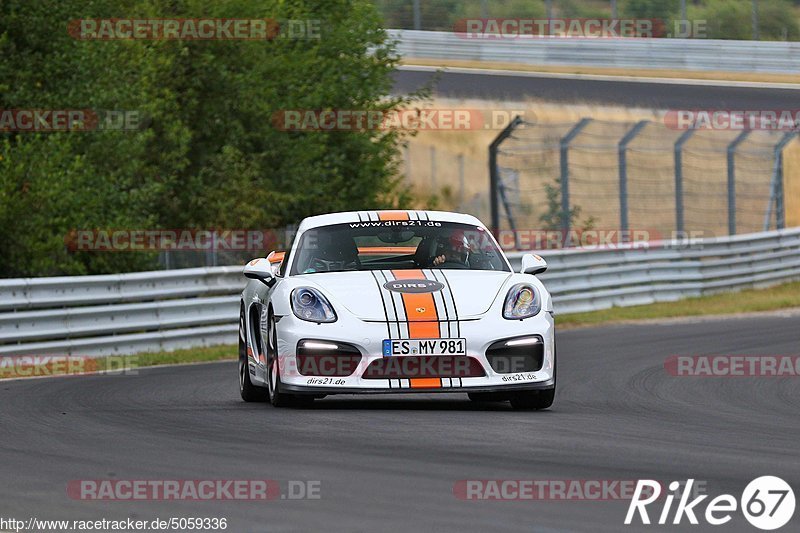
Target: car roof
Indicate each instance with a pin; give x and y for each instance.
(374, 216)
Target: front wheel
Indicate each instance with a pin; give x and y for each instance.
(248, 391)
(536, 399)
(276, 397)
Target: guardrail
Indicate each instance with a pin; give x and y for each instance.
(165, 310)
(589, 280)
(120, 314)
(679, 54)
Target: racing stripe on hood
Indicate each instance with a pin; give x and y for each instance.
(383, 301)
(420, 308)
(447, 293)
(397, 314)
(443, 310)
(423, 321)
(393, 307)
(454, 326)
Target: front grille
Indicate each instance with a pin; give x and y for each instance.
(422, 366)
(505, 359)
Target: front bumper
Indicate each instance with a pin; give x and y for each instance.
(368, 338)
(518, 387)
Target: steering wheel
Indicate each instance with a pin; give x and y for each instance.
(453, 265)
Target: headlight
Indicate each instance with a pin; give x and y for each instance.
(309, 304)
(522, 301)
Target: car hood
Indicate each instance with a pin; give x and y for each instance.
(363, 293)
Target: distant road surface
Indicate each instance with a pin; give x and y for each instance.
(659, 95)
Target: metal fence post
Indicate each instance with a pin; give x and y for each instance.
(460, 180)
(564, 145)
(417, 14)
(407, 152)
(685, 32)
(548, 8)
(776, 187)
(732, 180)
(623, 172)
(494, 172)
(507, 205)
(211, 259)
(756, 25)
(433, 168)
(679, 179)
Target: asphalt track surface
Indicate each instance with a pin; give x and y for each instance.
(390, 464)
(587, 91)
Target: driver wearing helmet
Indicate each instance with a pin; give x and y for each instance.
(331, 252)
(452, 252)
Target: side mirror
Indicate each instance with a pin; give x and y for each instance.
(275, 259)
(261, 270)
(533, 264)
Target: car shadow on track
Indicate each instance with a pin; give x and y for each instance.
(407, 404)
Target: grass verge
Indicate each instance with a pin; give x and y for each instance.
(605, 71)
(42, 366)
(785, 296)
(194, 355)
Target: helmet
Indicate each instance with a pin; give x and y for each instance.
(456, 247)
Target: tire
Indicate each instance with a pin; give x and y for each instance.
(533, 400)
(536, 399)
(248, 391)
(276, 397)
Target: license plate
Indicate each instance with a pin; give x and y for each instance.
(424, 347)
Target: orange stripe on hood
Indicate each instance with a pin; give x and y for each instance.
(420, 308)
(423, 321)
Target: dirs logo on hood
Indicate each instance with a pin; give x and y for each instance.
(413, 285)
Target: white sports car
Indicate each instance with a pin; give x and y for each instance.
(396, 302)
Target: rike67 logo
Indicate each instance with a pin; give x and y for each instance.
(767, 503)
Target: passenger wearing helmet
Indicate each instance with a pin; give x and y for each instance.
(452, 252)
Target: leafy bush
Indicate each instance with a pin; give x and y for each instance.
(209, 155)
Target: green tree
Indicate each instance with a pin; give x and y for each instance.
(778, 21)
(651, 9)
(209, 154)
(553, 218)
(51, 183)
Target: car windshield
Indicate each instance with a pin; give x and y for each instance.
(396, 245)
